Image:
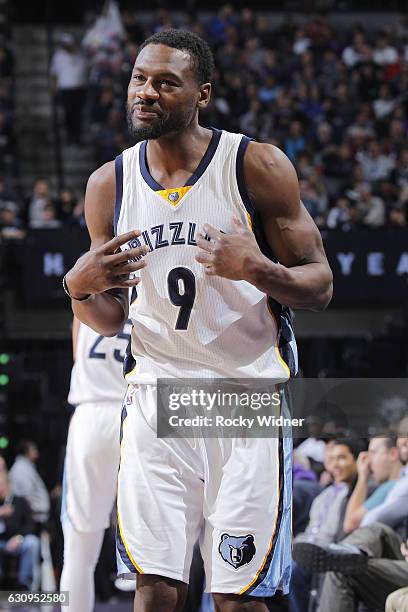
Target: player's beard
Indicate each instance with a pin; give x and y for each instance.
(176, 122)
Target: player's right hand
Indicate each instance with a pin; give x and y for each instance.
(107, 267)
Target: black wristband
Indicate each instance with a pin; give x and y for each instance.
(65, 287)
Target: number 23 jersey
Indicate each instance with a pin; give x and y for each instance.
(97, 372)
(187, 324)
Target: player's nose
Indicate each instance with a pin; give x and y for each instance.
(147, 91)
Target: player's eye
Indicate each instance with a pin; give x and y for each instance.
(168, 83)
(138, 77)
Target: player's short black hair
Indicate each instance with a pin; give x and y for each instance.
(200, 53)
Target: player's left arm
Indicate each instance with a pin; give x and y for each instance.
(302, 278)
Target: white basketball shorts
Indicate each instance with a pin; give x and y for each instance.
(233, 495)
(91, 466)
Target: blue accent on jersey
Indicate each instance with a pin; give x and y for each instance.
(199, 171)
(144, 169)
(245, 140)
(121, 549)
(123, 560)
(278, 575)
(208, 155)
(286, 337)
(119, 189)
(257, 226)
(123, 569)
(133, 297)
(275, 575)
(129, 362)
(123, 416)
(267, 565)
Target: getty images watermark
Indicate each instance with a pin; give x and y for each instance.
(258, 408)
(222, 408)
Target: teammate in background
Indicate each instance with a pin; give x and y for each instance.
(204, 216)
(92, 457)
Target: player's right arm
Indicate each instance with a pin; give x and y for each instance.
(104, 270)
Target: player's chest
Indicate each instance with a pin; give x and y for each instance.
(173, 229)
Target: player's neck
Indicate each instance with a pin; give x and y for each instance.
(171, 153)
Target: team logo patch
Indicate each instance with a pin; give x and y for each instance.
(173, 196)
(237, 551)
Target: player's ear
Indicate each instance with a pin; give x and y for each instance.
(205, 95)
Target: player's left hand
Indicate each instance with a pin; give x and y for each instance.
(227, 255)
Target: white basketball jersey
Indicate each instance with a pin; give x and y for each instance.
(97, 374)
(186, 324)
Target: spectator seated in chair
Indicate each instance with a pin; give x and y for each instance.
(26, 482)
(16, 533)
(326, 515)
(383, 463)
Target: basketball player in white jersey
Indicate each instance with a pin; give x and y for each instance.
(203, 310)
(92, 457)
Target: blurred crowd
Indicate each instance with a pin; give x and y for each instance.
(31, 539)
(350, 519)
(7, 124)
(336, 101)
(6, 107)
(25, 515)
(350, 523)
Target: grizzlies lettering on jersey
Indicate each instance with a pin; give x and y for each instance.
(184, 322)
(97, 374)
(159, 236)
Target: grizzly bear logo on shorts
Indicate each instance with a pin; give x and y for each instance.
(237, 551)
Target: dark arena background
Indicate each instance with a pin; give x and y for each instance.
(324, 80)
